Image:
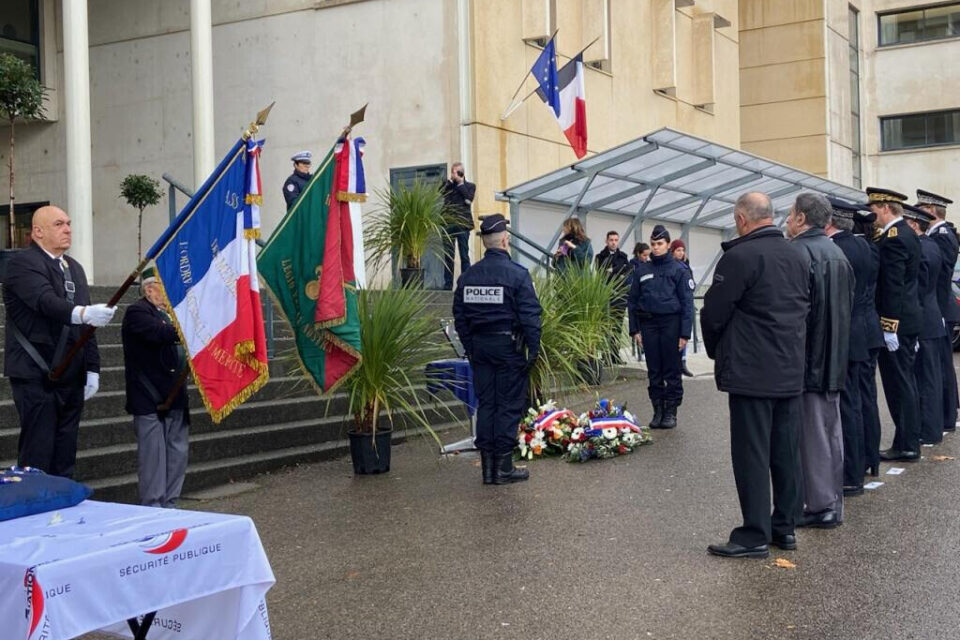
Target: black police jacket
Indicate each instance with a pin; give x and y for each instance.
(459, 199)
(946, 238)
(294, 186)
(754, 316)
(495, 295)
(898, 301)
(617, 267)
(36, 303)
(661, 286)
(865, 331)
(831, 307)
(150, 359)
(931, 261)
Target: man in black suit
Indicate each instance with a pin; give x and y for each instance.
(898, 304)
(458, 194)
(615, 264)
(47, 299)
(945, 235)
(153, 362)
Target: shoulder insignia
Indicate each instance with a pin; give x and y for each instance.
(692, 284)
(290, 186)
(943, 229)
(892, 233)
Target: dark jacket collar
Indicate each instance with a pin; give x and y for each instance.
(301, 174)
(767, 231)
(496, 253)
(812, 232)
(667, 257)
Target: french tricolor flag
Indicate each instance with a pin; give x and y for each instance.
(569, 103)
(206, 263)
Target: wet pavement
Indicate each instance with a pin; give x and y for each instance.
(608, 549)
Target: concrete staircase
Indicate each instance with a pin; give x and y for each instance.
(285, 423)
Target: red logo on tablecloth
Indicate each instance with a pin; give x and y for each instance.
(34, 600)
(159, 545)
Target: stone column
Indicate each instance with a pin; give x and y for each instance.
(201, 59)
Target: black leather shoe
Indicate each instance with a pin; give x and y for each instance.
(873, 471)
(487, 462)
(669, 420)
(787, 541)
(852, 490)
(950, 429)
(504, 472)
(685, 371)
(823, 520)
(899, 456)
(931, 442)
(732, 550)
(657, 415)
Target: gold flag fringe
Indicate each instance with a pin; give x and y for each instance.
(251, 234)
(346, 196)
(254, 198)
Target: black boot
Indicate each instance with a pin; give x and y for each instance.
(657, 415)
(487, 462)
(504, 472)
(669, 416)
(684, 370)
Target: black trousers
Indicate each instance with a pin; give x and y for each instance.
(500, 382)
(661, 338)
(765, 446)
(851, 421)
(949, 381)
(460, 238)
(870, 411)
(900, 388)
(930, 389)
(49, 424)
(618, 313)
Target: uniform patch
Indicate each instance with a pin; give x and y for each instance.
(943, 229)
(892, 233)
(693, 285)
(646, 277)
(290, 187)
(717, 278)
(483, 295)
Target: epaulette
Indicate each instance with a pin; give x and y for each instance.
(892, 233)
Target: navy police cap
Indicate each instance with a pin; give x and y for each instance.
(493, 224)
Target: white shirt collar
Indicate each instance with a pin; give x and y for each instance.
(52, 257)
(890, 224)
(934, 227)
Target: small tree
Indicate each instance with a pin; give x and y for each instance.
(21, 96)
(140, 192)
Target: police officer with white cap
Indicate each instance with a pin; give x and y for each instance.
(497, 316)
(298, 179)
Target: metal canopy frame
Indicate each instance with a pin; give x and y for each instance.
(669, 176)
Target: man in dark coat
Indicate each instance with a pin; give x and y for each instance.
(828, 340)
(458, 195)
(927, 364)
(298, 180)
(861, 257)
(945, 235)
(754, 328)
(47, 299)
(898, 304)
(153, 363)
(615, 264)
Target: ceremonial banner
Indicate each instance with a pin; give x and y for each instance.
(567, 99)
(309, 267)
(205, 263)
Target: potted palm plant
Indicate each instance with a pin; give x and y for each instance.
(577, 328)
(398, 338)
(409, 221)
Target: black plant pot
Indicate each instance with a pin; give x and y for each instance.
(5, 256)
(370, 454)
(411, 277)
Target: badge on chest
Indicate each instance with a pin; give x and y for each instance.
(483, 295)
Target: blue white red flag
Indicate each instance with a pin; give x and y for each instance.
(206, 263)
(571, 104)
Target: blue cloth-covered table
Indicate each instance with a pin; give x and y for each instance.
(454, 375)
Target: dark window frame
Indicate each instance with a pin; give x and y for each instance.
(35, 41)
(856, 143)
(923, 8)
(884, 146)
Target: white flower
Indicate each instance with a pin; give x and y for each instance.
(610, 433)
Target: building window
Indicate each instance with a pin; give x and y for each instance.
(854, 39)
(915, 130)
(917, 25)
(20, 31)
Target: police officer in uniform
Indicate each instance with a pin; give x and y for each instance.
(661, 319)
(295, 184)
(944, 234)
(862, 260)
(927, 365)
(497, 316)
(898, 304)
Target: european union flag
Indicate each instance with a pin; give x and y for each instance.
(545, 71)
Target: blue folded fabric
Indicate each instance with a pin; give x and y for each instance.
(25, 491)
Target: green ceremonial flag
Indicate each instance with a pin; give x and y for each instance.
(307, 266)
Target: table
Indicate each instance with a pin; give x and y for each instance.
(456, 376)
(98, 564)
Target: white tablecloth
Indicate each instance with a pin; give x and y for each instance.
(93, 566)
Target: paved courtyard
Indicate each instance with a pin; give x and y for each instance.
(608, 549)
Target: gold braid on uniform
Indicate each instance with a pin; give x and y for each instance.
(889, 325)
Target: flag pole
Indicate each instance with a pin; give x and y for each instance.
(57, 372)
(512, 107)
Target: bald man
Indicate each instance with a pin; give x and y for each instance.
(47, 299)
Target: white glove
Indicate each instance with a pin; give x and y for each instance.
(92, 386)
(917, 347)
(893, 342)
(97, 315)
